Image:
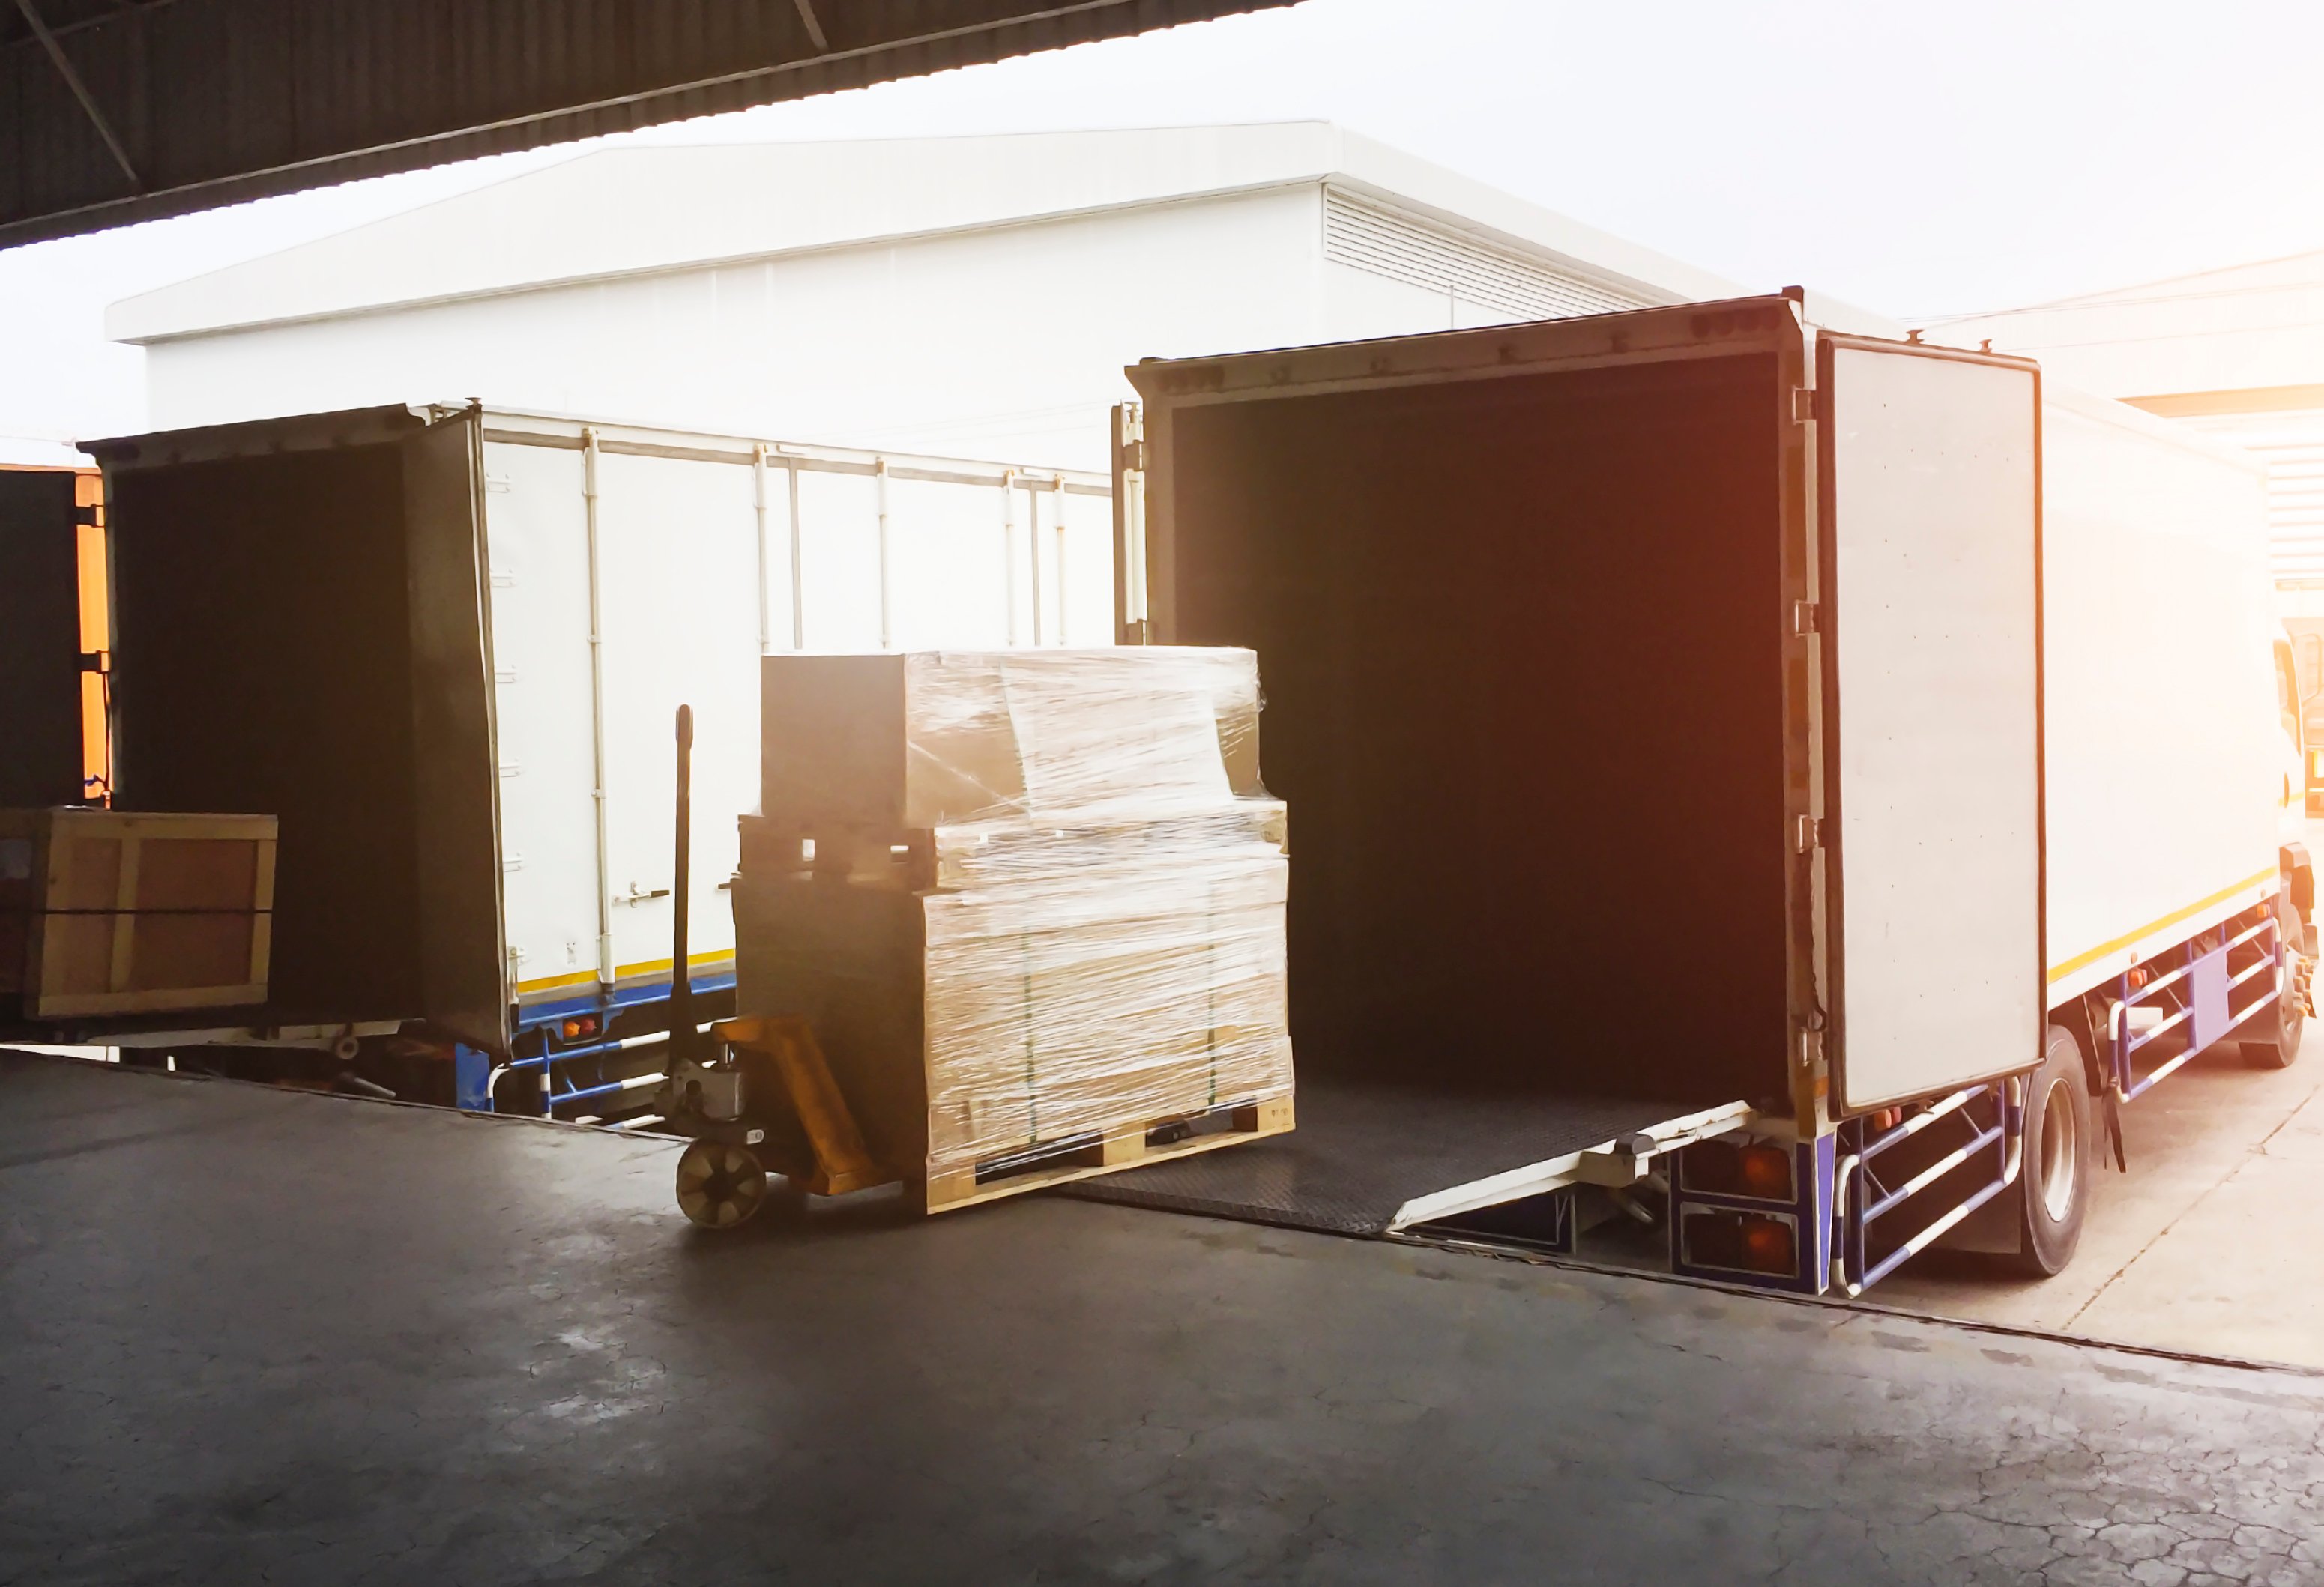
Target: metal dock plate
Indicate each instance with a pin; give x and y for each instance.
(1372, 1157)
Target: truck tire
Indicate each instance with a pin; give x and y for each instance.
(2053, 1177)
(2279, 1043)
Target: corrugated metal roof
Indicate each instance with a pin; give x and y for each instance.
(119, 110)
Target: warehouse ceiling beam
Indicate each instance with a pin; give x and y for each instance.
(223, 101)
(814, 28)
(80, 90)
(112, 11)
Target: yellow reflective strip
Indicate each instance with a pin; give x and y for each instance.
(2081, 961)
(548, 982)
(661, 966)
(644, 967)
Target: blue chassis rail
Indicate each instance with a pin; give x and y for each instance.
(535, 1043)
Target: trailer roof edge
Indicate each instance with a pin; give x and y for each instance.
(1684, 330)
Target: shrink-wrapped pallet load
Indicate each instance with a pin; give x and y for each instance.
(1031, 902)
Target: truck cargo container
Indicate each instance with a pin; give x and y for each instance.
(442, 645)
(1799, 782)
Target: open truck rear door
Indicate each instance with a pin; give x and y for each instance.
(1930, 606)
(456, 826)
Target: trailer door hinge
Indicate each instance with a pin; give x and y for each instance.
(1133, 455)
(1804, 404)
(1807, 618)
(1808, 837)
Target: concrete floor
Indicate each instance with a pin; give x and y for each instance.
(263, 1336)
(2212, 1243)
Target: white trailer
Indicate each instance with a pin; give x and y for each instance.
(446, 646)
(1806, 781)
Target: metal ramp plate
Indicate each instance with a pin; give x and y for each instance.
(1368, 1158)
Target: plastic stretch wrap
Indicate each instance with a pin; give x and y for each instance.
(1088, 980)
(944, 738)
(1098, 946)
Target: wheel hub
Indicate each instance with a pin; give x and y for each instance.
(2060, 1160)
(719, 1183)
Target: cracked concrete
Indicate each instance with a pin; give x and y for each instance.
(269, 1337)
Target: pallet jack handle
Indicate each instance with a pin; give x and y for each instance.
(841, 1163)
(681, 898)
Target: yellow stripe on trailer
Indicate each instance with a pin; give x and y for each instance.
(643, 967)
(2081, 961)
(661, 966)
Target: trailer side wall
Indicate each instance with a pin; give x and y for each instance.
(2165, 755)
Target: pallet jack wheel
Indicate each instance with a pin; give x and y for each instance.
(720, 1184)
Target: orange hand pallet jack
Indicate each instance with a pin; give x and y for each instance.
(721, 1178)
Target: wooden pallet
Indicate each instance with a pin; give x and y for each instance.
(1108, 1151)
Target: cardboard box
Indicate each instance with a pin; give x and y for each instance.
(972, 858)
(1083, 982)
(1032, 902)
(940, 738)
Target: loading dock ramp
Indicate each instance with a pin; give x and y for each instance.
(1373, 1156)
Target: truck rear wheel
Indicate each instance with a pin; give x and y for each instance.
(2053, 1174)
(2281, 1043)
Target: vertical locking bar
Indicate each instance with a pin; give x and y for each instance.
(759, 514)
(598, 711)
(798, 588)
(1060, 489)
(1129, 523)
(1033, 554)
(1009, 551)
(880, 481)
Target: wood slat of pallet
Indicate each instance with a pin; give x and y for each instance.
(1119, 1148)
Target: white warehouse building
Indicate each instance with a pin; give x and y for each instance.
(2237, 353)
(968, 297)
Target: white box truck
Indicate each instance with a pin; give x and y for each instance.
(445, 645)
(1799, 782)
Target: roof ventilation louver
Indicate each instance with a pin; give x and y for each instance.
(1369, 237)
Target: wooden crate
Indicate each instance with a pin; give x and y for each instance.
(117, 912)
